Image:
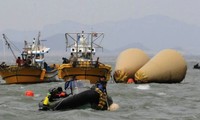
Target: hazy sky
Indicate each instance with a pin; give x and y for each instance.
(35, 14)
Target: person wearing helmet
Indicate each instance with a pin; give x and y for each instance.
(53, 95)
(104, 99)
(101, 84)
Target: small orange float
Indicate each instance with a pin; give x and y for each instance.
(29, 93)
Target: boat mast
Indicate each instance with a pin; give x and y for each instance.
(91, 55)
(38, 42)
(76, 44)
(8, 44)
(4, 51)
(37, 49)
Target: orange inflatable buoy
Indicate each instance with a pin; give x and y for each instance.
(130, 80)
(29, 93)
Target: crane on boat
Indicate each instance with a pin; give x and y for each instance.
(10, 45)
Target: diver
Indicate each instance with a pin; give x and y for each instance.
(53, 95)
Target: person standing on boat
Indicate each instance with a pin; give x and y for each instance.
(72, 57)
(73, 60)
(65, 60)
(82, 40)
(45, 66)
(19, 61)
(70, 84)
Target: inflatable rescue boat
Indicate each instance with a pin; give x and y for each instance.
(89, 98)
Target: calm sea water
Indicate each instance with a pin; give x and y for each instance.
(137, 101)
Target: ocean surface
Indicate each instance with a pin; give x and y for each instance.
(137, 101)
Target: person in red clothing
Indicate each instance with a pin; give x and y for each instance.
(19, 61)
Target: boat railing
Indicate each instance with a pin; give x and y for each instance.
(93, 64)
(83, 42)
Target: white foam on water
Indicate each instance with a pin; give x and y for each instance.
(21, 87)
(161, 93)
(37, 95)
(143, 87)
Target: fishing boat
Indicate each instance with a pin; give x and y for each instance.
(31, 66)
(82, 64)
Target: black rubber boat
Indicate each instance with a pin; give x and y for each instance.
(88, 97)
